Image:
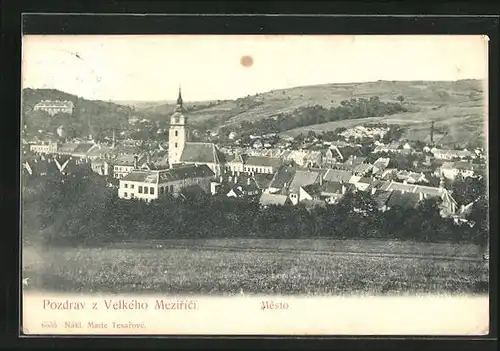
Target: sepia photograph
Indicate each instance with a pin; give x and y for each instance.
(282, 168)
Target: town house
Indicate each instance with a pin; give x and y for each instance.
(150, 185)
(124, 164)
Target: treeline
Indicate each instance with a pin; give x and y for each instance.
(83, 210)
(304, 116)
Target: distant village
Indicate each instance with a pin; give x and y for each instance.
(269, 169)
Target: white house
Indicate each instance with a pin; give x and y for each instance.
(444, 154)
(150, 185)
(450, 170)
(44, 148)
(253, 164)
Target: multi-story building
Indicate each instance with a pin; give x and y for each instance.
(45, 148)
(150, 185)
(254, 164)
(53, 107)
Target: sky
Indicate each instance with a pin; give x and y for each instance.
(208, 67)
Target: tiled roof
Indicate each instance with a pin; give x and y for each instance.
(427, 190)
(155, 177)
(201, 153)
(283, 177)
(382, 163)
(68, 147)
(263, 180)
(348, 151)
(335, 175)
(263, 161)
(327, 187)
(272, 199)
(100, 150)
(240, 158)
(403, 200)
(83, 148)
(142, 176)
(363, 167)
(186, 172)
(302, 178)
(381, 197)
(355, 160)
(366, 180)
(128, 160)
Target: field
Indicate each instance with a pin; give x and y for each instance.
(250, 266)
(463, 122)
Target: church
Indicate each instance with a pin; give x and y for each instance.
(181, 151)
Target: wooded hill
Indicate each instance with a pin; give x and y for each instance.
(89, 116)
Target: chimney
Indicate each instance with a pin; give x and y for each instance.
(135, 161)
(235, 179)
(421, 196)
(221, 179)
(320, 179)
(343, 189)
(248, 181)
(374, 190)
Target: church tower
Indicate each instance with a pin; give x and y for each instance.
(177, 136)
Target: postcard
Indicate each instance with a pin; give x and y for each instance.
(254, 185)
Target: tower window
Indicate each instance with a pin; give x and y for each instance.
(175, 145)
(176, 133)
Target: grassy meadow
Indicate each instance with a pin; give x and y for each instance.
(258, 266)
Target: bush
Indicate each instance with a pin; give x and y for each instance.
(81, 209)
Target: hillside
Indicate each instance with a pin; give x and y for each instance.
(89, 116)
(456, 107)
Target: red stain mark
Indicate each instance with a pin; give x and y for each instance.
(246, 61)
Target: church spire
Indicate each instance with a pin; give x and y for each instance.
(179, 99)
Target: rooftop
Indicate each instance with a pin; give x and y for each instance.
(201, 152)
(272, 199)
(155, 177)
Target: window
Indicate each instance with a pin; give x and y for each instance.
(175, 145)
(145, 190)
(162, 190)
(126, 185)
(131, 195)
(124, 194)
(151, 190)
(176, 133)
(131, 186)
(171, 188)
(140, 189)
